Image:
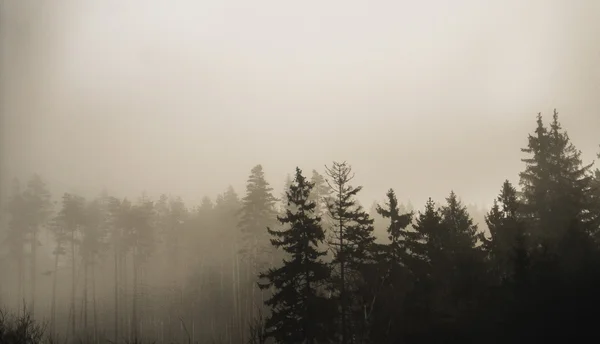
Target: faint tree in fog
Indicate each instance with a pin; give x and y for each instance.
(227, 209)
(320, 193)
(17, 235)
(58, 227)
(119, 219)
(93, 244)
(39, 210)
(283, 200)
(258, 212)
(141, 235)
(72, 215)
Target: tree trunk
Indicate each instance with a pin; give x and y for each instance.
(73, 284)
(116, 338)
(342, 273)
(33, 269)
(21, 268)
(94, 302)
(134, 320)
(53, 307)
(85, 293)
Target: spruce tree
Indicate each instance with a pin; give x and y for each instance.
(72, 215)
(400, 238)
(352, 243)
(17, 237)
(462, 250)
(428, 263)
(391, 279)
(555, 184)
(320, 193)
(39, 209)
(507, 233)
(300, 313)
(258, 212)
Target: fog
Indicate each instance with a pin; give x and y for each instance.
(185, 97)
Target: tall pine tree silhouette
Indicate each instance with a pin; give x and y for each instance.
(555, 184)
(352, 243)
(300, 313)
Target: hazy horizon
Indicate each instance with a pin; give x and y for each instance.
(186, 98)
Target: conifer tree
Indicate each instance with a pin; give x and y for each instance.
(72, 215)
(39, 209)
(391, 280)
(227, 210)
(400, 239)
(461, 249)
(555, 184)
(257, 213)
(428, 226)
(140, 233)
(300, 313)
(507, 232)
(352, 243)
(93, 244)
(320, 193)
(286, 186)
(17, 236)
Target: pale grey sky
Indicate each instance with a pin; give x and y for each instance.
(184, 97)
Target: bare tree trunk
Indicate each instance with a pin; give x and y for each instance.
(34, 245)
(53, 307)
(116, 338)
(234, 288)
(134, 319)
(20, 277)
(73, 283)
(94, 302)
(85, 293)
(123, 304)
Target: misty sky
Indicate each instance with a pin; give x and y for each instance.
(185, 97)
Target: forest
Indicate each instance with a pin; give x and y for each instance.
(310, 264)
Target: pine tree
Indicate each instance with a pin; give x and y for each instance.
(119, 219)
(59, 232)
(507, 232)
(93, 244)
(555, 184)
(299, 311)
(320, 193)
(17, 236)
(461, 250)
(72, 215)
(352, 244)
(400, 238)
(140, 233)
(428, 249)
(286, 186)
(227, 209)
(257, 213)
(391, 280)
(39, 209)
(595, 190)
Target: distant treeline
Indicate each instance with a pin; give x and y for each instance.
(309, 267)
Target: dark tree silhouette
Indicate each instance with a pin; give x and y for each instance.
(300, 312)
